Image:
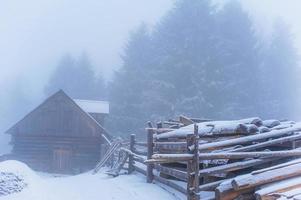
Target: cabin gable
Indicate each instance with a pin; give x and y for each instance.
(58, 136)
(59, 115)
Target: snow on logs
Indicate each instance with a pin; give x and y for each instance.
(167, 158)
(288, 188)
(230, 150)
(247, 126)
(216, 128)
(264, 184)
(271, 123)
(252, 181)
(252, 138)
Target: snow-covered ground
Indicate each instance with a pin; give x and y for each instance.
(83, 187)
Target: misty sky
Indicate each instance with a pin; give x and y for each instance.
(34, 34)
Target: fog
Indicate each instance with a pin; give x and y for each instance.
(35, 34)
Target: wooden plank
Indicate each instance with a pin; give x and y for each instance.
(234, 166)
(200, 120)
(169, 158)
(170, 146)
(223, 155)
(251, 181)
(225, 191)
(143, 144)
(131, 156)
(268, 143)
(110, 152)
(140, 170)
(150, 166)
(115, 172)
(293, 162)
(170, 184)
(185, 120)
(136, 157)
(241, 155)
(251, 138)
(172, 172)
(280, 187)
(139, 152)
(210, 186)
(139, 160)
(193, 166)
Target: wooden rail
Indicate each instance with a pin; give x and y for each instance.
(159, 172)
(207, 162)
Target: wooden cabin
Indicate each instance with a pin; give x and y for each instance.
(61, 135)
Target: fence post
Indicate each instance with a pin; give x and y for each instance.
(193, 166)
(150, 151)
(131, 157)
(197, 161)
(159, 125)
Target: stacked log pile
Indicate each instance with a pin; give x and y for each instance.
(234, 157)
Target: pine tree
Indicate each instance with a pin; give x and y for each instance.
(280, 74)
(237, 64)
(199, 61)
(77, 78)
(62, 77)
(182, 41)
(127, 89)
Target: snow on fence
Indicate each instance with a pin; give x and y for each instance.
(220, 159)
(155, 171)
(137, 163)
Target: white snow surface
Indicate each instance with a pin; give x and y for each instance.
(83, 187)
(91, 106)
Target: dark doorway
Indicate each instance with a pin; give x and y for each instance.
(62, 160)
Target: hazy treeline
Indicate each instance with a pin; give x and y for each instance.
(76, 76)
(204, 61)
(198, 60)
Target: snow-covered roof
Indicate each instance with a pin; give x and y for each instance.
(90, 106)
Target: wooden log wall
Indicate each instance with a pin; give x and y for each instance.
(207, 162)
(38, 151)
(166, 174)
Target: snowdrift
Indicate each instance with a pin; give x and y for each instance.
(14, 177)
(36, 186)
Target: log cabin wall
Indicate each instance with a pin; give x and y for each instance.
(41, 153)
(58, 136)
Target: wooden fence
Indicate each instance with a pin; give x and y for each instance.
(203, 166)
(166, 173)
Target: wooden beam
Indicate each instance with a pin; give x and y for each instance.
(225, 191)
(170, 184)
(131, 156)
(267, 143)
(185, 120)
(172, 172)
(140, 170)
(150, 166)
(193, 166)
(170, 146)
(234, 166)
(252, 181)
(251, 138)
(171, 157)
(241, 155)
